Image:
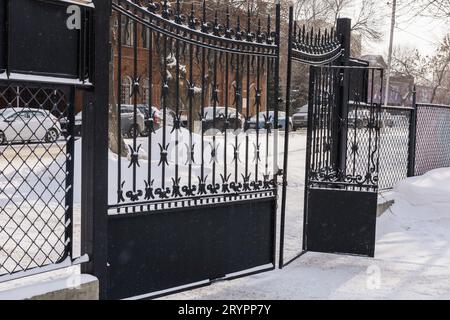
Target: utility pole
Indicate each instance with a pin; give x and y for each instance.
(391, 40)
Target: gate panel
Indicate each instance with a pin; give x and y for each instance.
(341, 221)
(342, 191)
(150, 252)
(193, 133)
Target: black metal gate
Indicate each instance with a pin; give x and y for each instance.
(341, 179)
(342, 160)
(193, 129)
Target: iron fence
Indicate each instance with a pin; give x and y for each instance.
(36, 177)
(432, 147)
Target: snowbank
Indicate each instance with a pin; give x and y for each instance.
(431, 189)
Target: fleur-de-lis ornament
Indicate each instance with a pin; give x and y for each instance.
(163, 154)
(149, 190)
(134, 156)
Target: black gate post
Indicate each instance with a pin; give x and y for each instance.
(94, 191)
(343, 30)
(412, 136)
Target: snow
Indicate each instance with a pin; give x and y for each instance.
(411, 261)
(30, 291)
(47, 79)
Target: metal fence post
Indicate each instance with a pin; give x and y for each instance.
(286, 137)
(412, 136)
(95, 154)
(343, 29)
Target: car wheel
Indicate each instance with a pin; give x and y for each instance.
(52, 135)
(2, 138)
(131, 132)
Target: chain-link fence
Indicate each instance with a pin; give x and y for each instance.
(432, 138)
(427, 126)
(36, 174)
(394, 145)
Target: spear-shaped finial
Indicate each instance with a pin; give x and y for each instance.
(216, 24)
(178, 12)
(165, 10)
(192, 17)
(204, 16)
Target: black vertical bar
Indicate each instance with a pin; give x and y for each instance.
(286, 137)
(70, 159)
(277, 102)
(119, 105)
(202, 112)
(276, 90)
(237, 101)
(95, 156)
(343, 30)
(177, 102)
(308, 154)
(164, 106)
(412, 136)
(135, 91)
(247, 102)
(258, 103)
(150, 109)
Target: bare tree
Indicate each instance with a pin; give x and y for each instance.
(113, 140)
(431, 71)
(366, 19)
(440, 66)
(430, 8)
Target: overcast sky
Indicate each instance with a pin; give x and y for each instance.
(414, 32)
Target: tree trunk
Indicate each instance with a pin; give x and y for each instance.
(113, 115)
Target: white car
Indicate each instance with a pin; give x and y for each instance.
(28, 124)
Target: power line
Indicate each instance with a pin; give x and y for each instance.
(418, 37)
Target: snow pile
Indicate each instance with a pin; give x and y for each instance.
(431, 189)
(417, 227)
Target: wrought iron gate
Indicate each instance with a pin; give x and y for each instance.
(342, 160)
(341, 179)
(192, 188)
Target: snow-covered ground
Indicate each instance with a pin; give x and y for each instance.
(412, 258)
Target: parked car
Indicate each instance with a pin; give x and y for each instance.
(260, 123)
(77, 125)
(360, 119)
(28, 124)
(219, 121)
(300, 117)
(158, 115)
(128, 124)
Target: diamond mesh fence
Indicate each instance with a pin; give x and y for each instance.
(432, 138)
(394, 145)
(36, 152)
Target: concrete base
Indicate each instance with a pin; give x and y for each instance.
(76, 287)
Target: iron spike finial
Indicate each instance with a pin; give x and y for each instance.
(178, 12)
(192, 17)
(204, 16)
(248, 18)
(165, 10)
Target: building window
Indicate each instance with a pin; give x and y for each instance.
(145, 91)
(127, 32)
(145, 34)
(127, 87)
